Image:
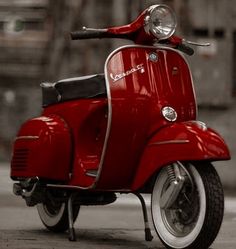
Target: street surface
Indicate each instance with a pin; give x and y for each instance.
(116, 226)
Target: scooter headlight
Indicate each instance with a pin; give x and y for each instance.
(160, 21)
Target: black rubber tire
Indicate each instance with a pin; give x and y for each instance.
(215, 205)
(214, 210)
(62, 222)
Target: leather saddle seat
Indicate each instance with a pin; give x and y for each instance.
(91, 86)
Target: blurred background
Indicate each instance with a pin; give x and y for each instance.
(34, 48)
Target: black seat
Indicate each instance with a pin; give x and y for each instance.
(90, 86)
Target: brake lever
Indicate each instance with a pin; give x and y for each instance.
(196, 43)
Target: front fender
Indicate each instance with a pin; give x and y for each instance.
(187, 141)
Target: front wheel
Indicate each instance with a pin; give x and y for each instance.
(194, 219)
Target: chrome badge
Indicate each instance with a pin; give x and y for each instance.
(138, 68)
(153, 57)
(169, 113)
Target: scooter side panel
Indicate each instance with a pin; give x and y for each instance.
(42, 149)
(179, 142)
(87, 122)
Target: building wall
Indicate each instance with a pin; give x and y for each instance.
(25, 32)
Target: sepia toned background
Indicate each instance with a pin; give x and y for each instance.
(35, 47)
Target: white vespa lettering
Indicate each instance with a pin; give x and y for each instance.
(117, 77)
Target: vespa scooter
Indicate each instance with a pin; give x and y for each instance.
(132, 129)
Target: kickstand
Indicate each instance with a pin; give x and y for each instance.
(72, 236)
(148, 234)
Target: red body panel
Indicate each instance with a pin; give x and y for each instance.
(87, 119)
(63, 150)
(179, 142)
(42, 148)
(140, 88)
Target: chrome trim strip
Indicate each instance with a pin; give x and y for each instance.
(109, 119)
(92, 173)
(79, 188)
(65, 186)
(170, 142)
(27, 137)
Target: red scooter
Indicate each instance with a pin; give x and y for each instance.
(133, 129)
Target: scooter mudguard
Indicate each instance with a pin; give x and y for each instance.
(42, 149)
(186, 141)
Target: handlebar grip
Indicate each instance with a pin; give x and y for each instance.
(186, 49)
(88, 34)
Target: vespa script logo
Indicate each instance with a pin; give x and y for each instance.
(138, 68)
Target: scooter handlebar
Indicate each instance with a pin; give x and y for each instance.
(88, 34)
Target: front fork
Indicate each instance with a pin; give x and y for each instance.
(176, 179)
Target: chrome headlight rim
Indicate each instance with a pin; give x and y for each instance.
(150, 27)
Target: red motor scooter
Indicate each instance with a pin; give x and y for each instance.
(132, 129)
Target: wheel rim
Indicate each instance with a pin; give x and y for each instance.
(179, 226)
(51, 213)
(181, 220)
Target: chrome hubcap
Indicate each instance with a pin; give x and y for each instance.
(180, 219)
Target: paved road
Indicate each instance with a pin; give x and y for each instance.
(115, 226)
